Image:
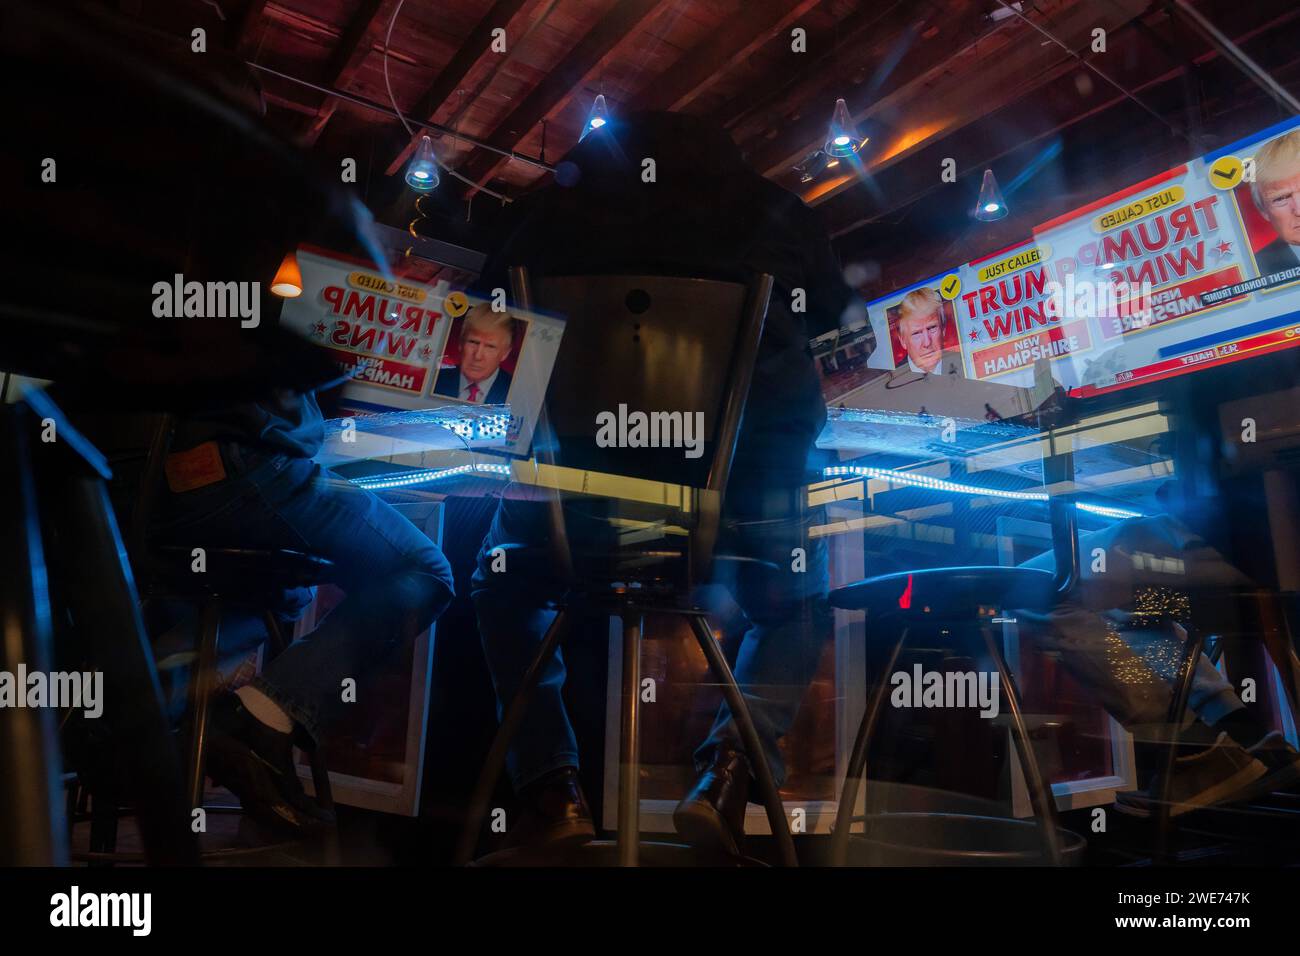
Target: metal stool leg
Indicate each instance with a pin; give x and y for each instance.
(205, 675)
(30, 761)
(103, 825)
(320, 777)
(1193, 644)
(858, 760)
(749, 739)
(496, 758)
(1040, 791)
(112, 633)
(629, 770)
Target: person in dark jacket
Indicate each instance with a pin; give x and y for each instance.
(704, 214)
(243, 476)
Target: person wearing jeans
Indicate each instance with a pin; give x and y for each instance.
(707, 215)
(261, 490)
(783, 598)
(1116, 634)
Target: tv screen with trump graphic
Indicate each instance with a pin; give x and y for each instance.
(1196, 267)
(411, 346)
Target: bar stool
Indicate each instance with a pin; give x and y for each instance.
(957, 600)
(234, 579)
(629, 601)
(619, 330)
(231, 574)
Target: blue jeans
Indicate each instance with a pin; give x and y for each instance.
(787, 610)
(397, 581)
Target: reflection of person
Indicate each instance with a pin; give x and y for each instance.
(1276, 191)
(920, 330)
(249, 482)
(1116, 636)
(713, 216)
(486, 340)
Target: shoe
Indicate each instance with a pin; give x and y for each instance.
(555, 813)
(1282, 762)
(712, 815)
(256, 764)
(1224, 773)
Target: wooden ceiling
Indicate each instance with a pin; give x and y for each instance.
(926, 79)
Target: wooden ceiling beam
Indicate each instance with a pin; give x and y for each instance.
(925, 53)
(276, 98)
(352, 49)
(243, 29)
(848, 33)
(507, 14)
(1037, 114)
(706, 62)
(601, 44)
(955, 101)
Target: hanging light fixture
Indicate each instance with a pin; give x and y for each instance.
(422, 173)
(597, 118)
(991, 205)
(287, 283)
(842, 138)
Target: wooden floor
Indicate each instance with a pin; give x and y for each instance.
(232, 838)
(1267, 833)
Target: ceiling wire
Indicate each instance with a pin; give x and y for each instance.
(492, 74)
(377, 107)
(402, 116)
(1115, 83)
(1239, 58)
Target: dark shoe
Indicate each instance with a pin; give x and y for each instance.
(555, 813)
(256, 764)
(1225, 773)
(712, 815)
(1281, 760)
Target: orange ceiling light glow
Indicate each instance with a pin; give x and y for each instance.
(911, 138)
(827, 186)
(287, 283)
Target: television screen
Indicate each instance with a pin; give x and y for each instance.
(1195, 267)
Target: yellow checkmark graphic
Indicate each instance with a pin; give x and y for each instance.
(456, 304)
(1225, 172)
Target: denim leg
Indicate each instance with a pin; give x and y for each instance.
(397, 582)
(790, 623)
(512, 619)
(242, 631)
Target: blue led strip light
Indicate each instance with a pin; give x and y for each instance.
(484, 423)
(407, 478)
(940, 484)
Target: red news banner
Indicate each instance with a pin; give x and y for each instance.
(1088, 281)
(1183, 270)
(374, 333)
(387, 333)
